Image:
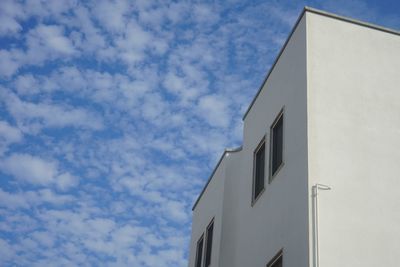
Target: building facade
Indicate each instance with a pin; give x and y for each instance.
(326, 117)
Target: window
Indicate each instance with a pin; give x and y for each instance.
(207, 247)
(199, 252)
(259, 166)
(277, 261)
(276, 152)
(209, 239)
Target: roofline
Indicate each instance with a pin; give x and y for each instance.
(323, 13)
(226, 151)
(305, 9)
(351, 20)
(273, 64)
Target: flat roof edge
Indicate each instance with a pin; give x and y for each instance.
(323, 13)
(227, 150)
(274, 63)
(351, 20)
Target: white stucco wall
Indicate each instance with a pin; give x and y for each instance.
(339, 85)
(354, 141)
(209, 207)
(232, 206)
(252, 235)
(279, 218)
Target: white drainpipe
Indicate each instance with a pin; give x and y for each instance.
(315, 219)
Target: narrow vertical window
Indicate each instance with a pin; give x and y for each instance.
(199, 252)
(259, 167)
(277, 261)
(276, 145)
(209, 239)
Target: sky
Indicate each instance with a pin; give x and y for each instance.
(114, 113)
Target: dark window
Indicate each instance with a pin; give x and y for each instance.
(259, 166)
(209, 238)
(199, 252)
(277, 144)
(277, 261)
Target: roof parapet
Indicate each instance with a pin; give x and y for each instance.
(226, 151)
(323, 13)
(305, 9)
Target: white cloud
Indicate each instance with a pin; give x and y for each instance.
(204, 14)
(45, 10)
(12, 201)
(26, 84)
(215, 110)
(38, 171)
(126, 236)
(32, 117)
(48, 196)
(9, 25)
(152, 16)
(86, 36)
(71, 76)
(174, 83)
(9, 134)
(10, 11)
(101, 227)
(112, 14)
(46, 239)
(287, 16)
(137, 43)
(28, 199)
(7, 252)
(45, 42)
(133, 43)
(175, 211)
(49, 39)
(184, 87)
(10, 61)
(65, 181)
(29, 169)
(154, 106)
(176, 12)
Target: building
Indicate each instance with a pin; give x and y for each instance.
(326, 117)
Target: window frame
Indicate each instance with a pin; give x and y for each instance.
(271, 175)
(274, 259)
(254, 198)
(205, 243)
(197, 258)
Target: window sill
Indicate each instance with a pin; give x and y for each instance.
(272, 177)
(253, 202)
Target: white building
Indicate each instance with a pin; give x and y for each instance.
(327, 113)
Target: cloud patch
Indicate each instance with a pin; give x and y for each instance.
(37, 171)
(215, 110)
(50, 38)
(35, 116)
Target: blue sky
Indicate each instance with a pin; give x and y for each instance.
(113, 114)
